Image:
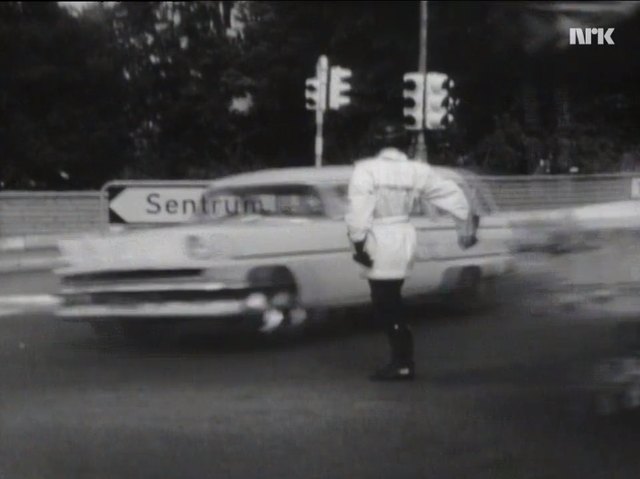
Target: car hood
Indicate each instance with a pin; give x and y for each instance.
(199, 245)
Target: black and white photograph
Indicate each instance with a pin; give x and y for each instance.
(320, 239)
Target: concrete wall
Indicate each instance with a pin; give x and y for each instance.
(558, 191)
(32, 213)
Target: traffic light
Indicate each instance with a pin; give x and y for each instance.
(313, 94)
(439, 103)
(339, 87)
(413, 101)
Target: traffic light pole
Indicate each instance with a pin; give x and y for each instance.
(421, 146)
(326, 91)
(322, 75)
(319, 137)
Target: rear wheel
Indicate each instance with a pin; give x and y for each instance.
(469, 284)
(473, 293)
(631, 396)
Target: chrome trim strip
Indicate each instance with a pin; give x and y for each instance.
(335, 251)
(506, 256)
(453, 228)
(169, 309)
(153, 287)
(294, 253)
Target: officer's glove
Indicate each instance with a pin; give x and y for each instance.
(361, 256)
(467, 241)
(467, 232)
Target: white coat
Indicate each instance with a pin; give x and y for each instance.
(381, 196)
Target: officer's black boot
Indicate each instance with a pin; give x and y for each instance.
(401, 367)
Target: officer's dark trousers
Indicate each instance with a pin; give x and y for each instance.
(389, 314)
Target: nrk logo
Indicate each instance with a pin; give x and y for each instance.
(591, 36)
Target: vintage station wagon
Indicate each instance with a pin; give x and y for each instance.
(268, 250)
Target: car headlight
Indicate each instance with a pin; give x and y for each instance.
(282, 300)
(257, 301)
(232, 275)
(198, 247)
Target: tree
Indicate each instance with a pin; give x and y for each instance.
(61, 125)
(181, 82)
(281, 44)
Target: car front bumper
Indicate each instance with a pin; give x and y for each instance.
(195, 300)
(153, 310)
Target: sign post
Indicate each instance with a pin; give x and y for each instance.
(328, 90)
(421, 145)
(319, 137)
(322, 71)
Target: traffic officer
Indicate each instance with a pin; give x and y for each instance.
(381, 196)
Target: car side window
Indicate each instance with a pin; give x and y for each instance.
(307, 204)
(266, 200)
(425, 209)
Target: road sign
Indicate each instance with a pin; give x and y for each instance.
(152, 203)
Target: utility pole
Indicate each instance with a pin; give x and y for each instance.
(421, 147)
(429, 101)
(328, 90)
(322, 71)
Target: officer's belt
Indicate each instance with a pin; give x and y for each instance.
(391, 220)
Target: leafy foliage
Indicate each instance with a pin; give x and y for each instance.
(60, 99)
(202, 89)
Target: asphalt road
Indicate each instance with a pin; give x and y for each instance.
(499, 394)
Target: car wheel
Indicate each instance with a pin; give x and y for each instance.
(631, 396)
(472, 292)
(469, 282)
(284, 317)
(606, 404)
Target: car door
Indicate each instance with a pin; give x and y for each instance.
(324, 266)
(435, 233)
(438, 249)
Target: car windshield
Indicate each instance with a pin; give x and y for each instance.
(274, 200)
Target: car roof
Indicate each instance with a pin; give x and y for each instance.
(334, 174)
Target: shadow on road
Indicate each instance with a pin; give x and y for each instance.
(184, 339)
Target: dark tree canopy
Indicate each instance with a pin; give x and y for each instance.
(61, 99)
(201, 89)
